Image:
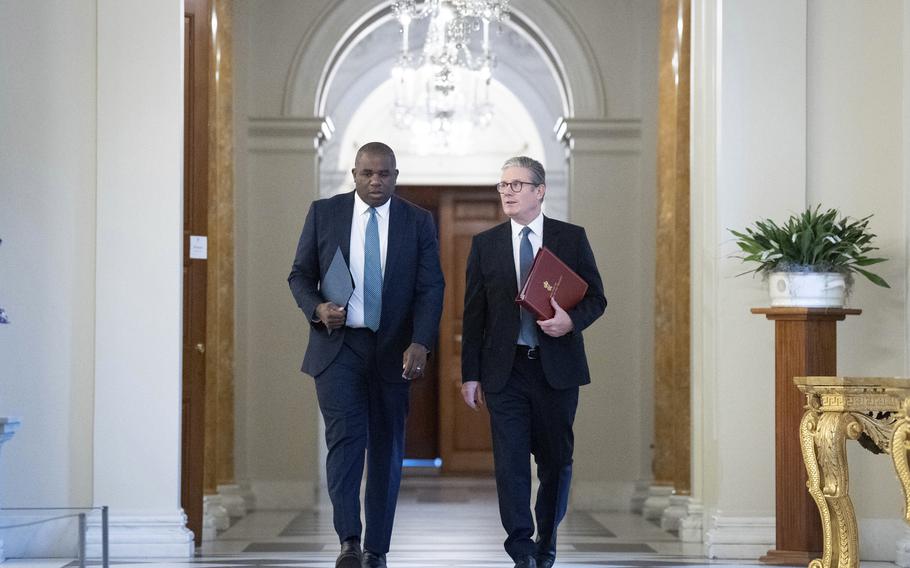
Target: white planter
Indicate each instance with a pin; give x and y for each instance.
(807, 289)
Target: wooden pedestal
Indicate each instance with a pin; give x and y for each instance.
(805, 345)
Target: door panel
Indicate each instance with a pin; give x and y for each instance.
(195, 221)
(440, 424)
(465, 442)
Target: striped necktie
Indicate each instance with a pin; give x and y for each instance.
(372, 274)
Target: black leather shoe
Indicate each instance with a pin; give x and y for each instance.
(373, 560)
(546, 560)
(525, 562)
(350, 556)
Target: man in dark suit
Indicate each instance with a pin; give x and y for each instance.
(526, 371)
(363, 355)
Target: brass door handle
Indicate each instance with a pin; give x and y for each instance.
(457, 338)
(200, 347)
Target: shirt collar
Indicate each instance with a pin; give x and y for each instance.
(360, 207)
(536, 226)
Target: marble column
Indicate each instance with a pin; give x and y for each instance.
(223, 496)
(669, 495)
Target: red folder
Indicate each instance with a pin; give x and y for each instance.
(548, 278)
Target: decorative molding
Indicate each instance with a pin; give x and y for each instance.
(232, 499)
(739, 537)
(676, 511)
(280, 134)
(246, 492)
(657, 502)
(691, 528)
(142, 536)
(602, 495)
(596, 136)
(637, 503)
(284, 495)
(214, 517)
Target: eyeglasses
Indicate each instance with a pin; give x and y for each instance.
(515, 185)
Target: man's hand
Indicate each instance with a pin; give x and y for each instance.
(559, 325)
(331, 315)
(472, 394)
(414, 362)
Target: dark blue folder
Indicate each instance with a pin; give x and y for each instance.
(337, 286)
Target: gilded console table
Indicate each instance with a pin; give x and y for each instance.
(872, 410)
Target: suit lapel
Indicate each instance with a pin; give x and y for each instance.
(397, 221)
(551, 233)
(342, 217)
(504, 251)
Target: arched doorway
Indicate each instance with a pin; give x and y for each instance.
(606, 165)
(454, 182)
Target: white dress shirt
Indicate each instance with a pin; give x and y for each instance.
(536, 238)
(356, 255)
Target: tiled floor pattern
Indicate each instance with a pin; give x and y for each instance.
(440, 523)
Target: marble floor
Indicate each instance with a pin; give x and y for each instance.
(440, 523)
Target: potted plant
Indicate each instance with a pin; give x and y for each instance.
(810, 260)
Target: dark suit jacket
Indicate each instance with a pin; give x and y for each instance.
(491, 316)
(412, 288)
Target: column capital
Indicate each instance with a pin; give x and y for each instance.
(289, 133)
(600, 135)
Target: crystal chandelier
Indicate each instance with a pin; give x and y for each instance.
(442, 92)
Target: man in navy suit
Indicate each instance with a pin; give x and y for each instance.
(526, 371)
(363, 355)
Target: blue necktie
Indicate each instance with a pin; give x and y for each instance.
(372, 274)
(528, 334)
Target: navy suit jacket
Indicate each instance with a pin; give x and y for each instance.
(491, 317)
(412, 289)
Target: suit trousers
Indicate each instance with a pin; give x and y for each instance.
(363, 414)
(530, 417)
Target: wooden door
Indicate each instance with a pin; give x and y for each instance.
(439, 423)
(465, 443)
(195, 221)
(422, 429)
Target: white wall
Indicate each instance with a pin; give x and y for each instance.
(855, 163)
(806, 106)
(47, 260)
(91, 165)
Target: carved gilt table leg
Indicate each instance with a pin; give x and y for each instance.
(900, 446)
(808, 429)
(823, 438)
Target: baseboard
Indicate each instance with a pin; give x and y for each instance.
(657, 502)
(233, 499)
(283, 495)
(884, 540)
(602, 495)
(214, 517)
(141, 536)
(739, 537)
(637, 503)
(676, 511)
(31, 534)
